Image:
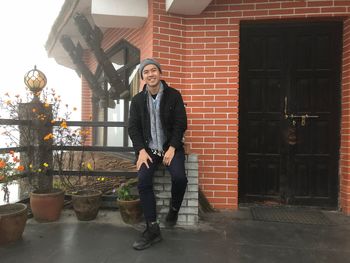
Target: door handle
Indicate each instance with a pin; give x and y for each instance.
(293, 117)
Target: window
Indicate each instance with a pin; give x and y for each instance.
(125, 60)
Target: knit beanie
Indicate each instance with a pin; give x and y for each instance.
(146, 62)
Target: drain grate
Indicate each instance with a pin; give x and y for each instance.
(290, 215)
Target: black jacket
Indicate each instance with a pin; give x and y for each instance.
(172, 116)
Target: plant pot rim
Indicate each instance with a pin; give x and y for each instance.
(17, 208)
(133, 200)
(52, 192)
(87, 193)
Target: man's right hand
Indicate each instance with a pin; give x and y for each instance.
(143, 158)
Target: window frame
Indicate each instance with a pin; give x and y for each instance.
(131, 61)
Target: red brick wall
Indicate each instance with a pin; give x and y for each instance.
(86, 107)
(200, 57)
(345, 121)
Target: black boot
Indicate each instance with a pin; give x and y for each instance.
(149, 237)
(171, 217)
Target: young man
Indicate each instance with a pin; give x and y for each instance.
(156, 127)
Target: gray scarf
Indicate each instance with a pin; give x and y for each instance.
(157, 132)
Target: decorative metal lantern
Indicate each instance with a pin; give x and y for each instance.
(35, 80)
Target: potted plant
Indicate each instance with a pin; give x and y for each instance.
(86, 201)
(46, 126)
(46, 202)
(128, 202)
(13, 217)
(36, 136)
(86, 204)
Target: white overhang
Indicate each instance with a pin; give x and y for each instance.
(186, 7)
(64, 25)
(119, 13)
(107, 14)
(102, 13)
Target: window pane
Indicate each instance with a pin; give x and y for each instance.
(99, 130)
(115, 136)
(134, 81)
(118, 60)
(129, 140)
(117, 113)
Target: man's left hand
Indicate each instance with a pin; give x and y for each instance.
(168, 156)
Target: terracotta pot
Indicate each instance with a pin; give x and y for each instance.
(47, 206)
(130, 211)
(86, 204)
(13, 218)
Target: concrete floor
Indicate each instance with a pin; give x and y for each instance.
(220, 237)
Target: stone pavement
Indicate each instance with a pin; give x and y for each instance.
(219, 237)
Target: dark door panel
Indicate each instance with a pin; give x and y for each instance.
(293, 70)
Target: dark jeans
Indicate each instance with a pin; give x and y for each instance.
(178, 184)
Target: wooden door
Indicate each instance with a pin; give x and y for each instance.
(289, 113)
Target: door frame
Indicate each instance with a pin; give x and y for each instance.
(287, 23)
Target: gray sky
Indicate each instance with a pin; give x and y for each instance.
(24, 27)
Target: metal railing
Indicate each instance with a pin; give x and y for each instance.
(85, 148)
